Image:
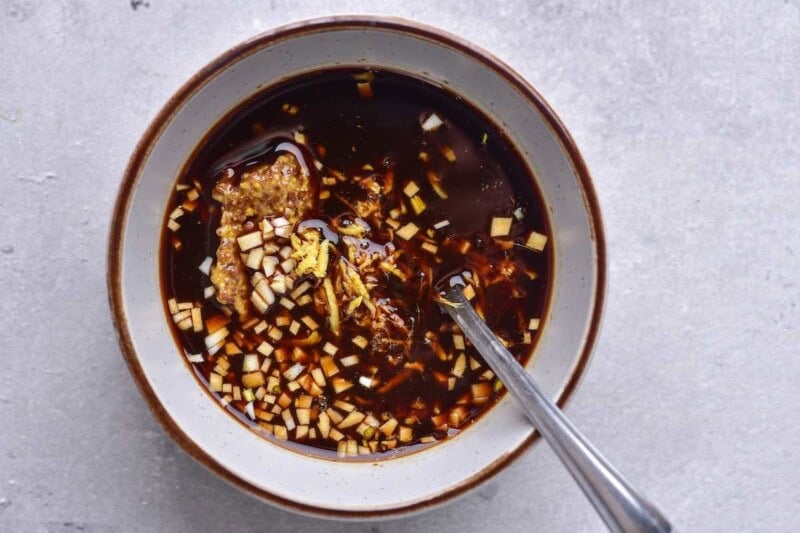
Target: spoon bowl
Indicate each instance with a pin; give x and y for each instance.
(622, 507)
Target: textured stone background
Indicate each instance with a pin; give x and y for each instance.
(686, 114)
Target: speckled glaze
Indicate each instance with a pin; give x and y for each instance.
(292, 480)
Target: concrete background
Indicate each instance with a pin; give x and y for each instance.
(686, 114)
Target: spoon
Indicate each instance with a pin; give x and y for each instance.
(621, 506)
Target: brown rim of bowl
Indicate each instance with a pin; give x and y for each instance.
(245, 49)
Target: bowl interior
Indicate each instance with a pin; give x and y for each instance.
(283, 476)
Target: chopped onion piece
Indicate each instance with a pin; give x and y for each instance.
(405, 434)
(344, 406)
(205, 266)
(460, 366)
(411, 189)
(441, 224)
(172, 225)
(481, 393)
(195, 357)
(266, 228)
(354, 418)
(536, 241)
(458, 342)
(280, 222)
(253, 380)
(232, 349)
(388, 427)
(334, 415)
(533, 324)
(303, 401)
(340, 385)
(360, 341)
(432, 123)
(265, 348)
(303, 416)
(408, 231)
(250, 363)
(501, 226)
(278, 284)
(254, 258)
(250, 240)
(216, 337)
(280, 431)
(318, 376)
(181, 315)
(469, 292)
(268, 265)
(288, 265)
(259, 302)
(350, 360)
(300, 289)
(283, 231)
(430, 248)
(265, 365)
(209, 291)
(197, 320)
(217, 347)
(176, 213)
(457, 416)
(365, 381)
(328, 366)
(294, 371)
(287, 419)
(309, 322)
(330, 349)
(215, 382)
(275, 334)
(324, 425)
(518, 213)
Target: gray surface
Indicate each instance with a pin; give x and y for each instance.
(686, 115)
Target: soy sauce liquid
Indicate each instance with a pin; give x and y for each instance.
(488, 178)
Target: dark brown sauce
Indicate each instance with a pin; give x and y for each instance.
(487, 179)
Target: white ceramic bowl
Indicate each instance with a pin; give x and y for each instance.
(327, 487)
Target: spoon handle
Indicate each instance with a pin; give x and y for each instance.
(622, 507)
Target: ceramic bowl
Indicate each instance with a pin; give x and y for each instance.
(273, 473)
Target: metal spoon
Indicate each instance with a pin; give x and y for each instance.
(622, 507)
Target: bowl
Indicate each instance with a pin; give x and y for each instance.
(309, 484)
